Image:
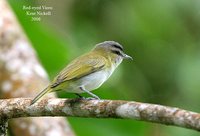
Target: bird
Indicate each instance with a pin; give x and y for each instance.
(89, 71)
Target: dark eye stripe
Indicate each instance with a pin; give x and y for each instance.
(118, 47)
(116, 52)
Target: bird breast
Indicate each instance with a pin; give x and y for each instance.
(93, 80)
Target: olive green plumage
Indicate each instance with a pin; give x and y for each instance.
(88, 71)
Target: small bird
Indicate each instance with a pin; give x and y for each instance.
(89, 71)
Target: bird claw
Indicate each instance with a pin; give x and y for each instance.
(92, 98)
(88, 98)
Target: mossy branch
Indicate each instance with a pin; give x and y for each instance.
(20, 107)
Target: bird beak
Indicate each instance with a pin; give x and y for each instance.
(125, 56)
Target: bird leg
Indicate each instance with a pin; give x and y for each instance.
(79, 95)
(88, 92)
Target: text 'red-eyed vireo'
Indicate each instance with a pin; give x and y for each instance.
(89, 71)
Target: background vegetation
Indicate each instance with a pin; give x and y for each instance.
(162, 36)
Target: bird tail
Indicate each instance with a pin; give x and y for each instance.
(41, 94)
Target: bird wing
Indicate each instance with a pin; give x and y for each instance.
(80, 67)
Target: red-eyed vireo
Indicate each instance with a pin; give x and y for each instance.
(89, 71)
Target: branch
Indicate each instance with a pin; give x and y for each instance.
(3, 126)
(20, 107)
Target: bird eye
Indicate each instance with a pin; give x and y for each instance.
(116, 52)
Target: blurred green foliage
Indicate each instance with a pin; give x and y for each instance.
(162, 36)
